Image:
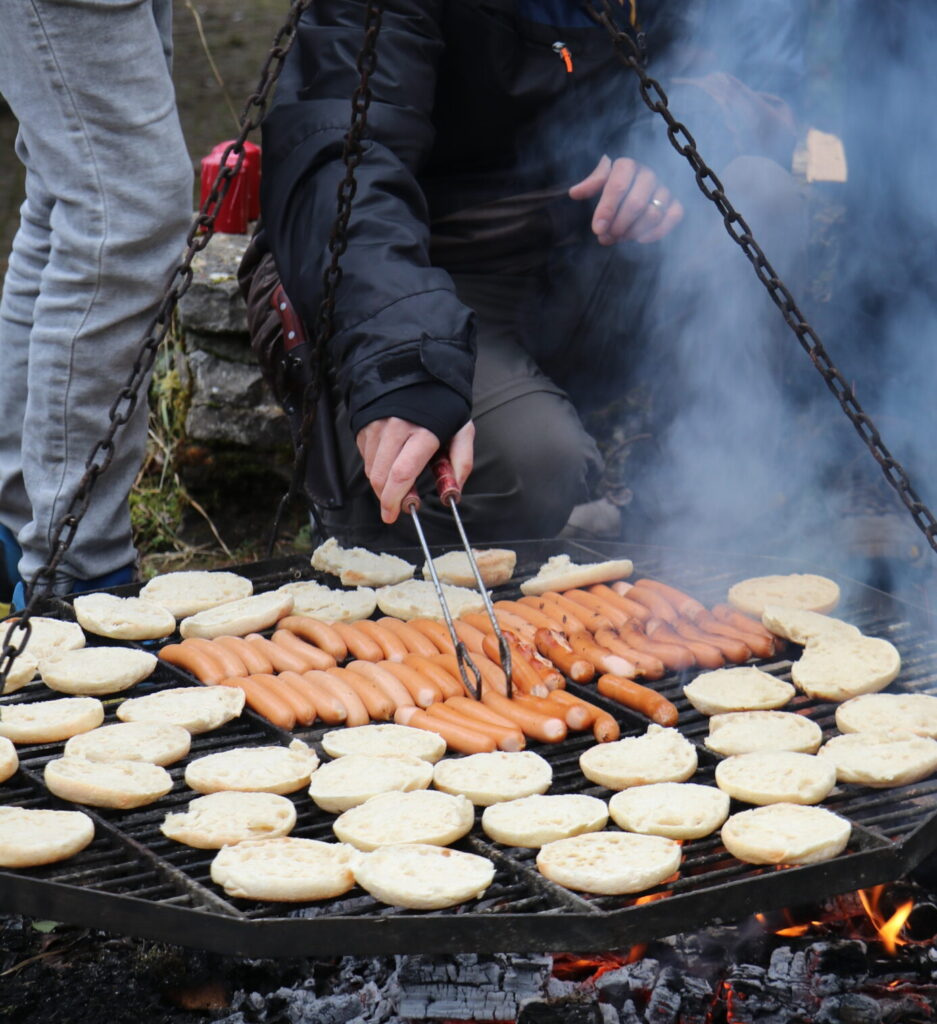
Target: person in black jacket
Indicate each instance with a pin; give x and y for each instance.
(506, 151)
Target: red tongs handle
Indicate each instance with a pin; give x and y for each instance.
(447, 487)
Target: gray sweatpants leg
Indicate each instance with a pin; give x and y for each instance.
(108, 199)
(534, 460)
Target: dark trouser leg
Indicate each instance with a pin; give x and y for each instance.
(534, 460)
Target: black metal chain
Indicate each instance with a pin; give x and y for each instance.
(352, 152)
(630, 53)
(199, 235)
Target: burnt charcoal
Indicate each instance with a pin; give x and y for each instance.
(922, 922)
(748, 979)
(664, 1005)
(838, 965)
(788, 976)
(566, 1012)
(849, 1008)
(696, 1000)
(631, 980)
(609, 1014)
(628, 1014)
(299, 1006)
(908, 1009)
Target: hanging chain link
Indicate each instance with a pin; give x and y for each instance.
(630, 54)
(352, 152)
(199, 235)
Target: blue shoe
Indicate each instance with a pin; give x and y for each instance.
(111, 579)
(10, 553)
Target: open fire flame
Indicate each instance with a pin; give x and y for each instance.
(888, 931)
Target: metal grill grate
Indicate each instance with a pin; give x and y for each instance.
(132, 879)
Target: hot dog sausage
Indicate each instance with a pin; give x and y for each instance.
(263, 700)
(231, 663)
(505, 738)
(422, 690)
(591, 620)
(761, 648)
(311, 656)
(359, 644)
(469, 635)
(685, 605)
(642, 698)
(550, 676)
(576, 718)
(523, 675)
(653, 600)
(355, 711)
(202, 664)
(632, 609)
(673, 656)
(554, 646)
(330, 710)
(304, 710)
(254, 661)
(534, 616)
(567, 622)
(386, 680)
(436, 673)
(546, 729)
(594, 603)
(281, 659)
(437, 633)
(734, 650)
(706, 655)
(392, 646)
(604, 727)
(647, 665)
(726, 613)
(449, 664)
(458, 737)
(377, 704)
(604, 659)
(316, 632)
(414, 641)
(476, 709)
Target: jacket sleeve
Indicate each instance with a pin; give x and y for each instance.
(398, 322)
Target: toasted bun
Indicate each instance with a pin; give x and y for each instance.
(117, 784)
(889, 713)
(223, 819)
(358, 567)
(840, 668)
(123, 618)
(660, 755)
(96, 670)
(29, 838)
(785, 833)
(416, 599)
(490, 778)
(197, 709)
(744, 688)
(535, 820)
(560, 573)
(22, 671)
(386, 740)
(741, 732)
(328, 605)
(9, 759)
(46, 636)
(238, 618)
(423, 877)
(285, 869)
(873, 759)
(776, 776)
(192, 591)
(495, 565)
(801, 626)
(420, 816)
(798, 590)
(677, 810)
(49, 721)
(254, 769)
(156, 742)
(609, 863)
(351, 780)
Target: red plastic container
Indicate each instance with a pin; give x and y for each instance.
(241, 205)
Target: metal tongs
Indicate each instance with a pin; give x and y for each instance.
(449, 494)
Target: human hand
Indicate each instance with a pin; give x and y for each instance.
(633, 205)
(396, 451)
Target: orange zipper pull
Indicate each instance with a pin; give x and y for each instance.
(562, 50)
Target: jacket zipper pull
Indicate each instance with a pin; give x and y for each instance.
(562, 51)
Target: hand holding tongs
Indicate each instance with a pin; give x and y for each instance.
(447, 487)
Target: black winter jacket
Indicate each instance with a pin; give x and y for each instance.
(472, 102)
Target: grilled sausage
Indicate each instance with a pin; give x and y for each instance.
(254, 660)
(761, 648)
(646, 665)
(231, 663)
(359, 644)
(316, 632)
(377, 704)
(726, 613)
(546, 729)
(604, 727)
(464, 739)
(437, 633)
(594, 603)
(304, 710)
(513, 739)
(355, 711)
(523, 675)
(506, 738)
(262, 699)
(391, 645)
(327, 707)
(686, 606)
(602, 658)
(554, 646)
(703, 654)
(385, 679)
(673, 656)
(414, 641)
(281, 659)
(202, 664)
(469, 635)
(534, 616)
(450, 665)
(736, 651)
(632, 609)
(566, 621)
(311, 656)
(653, 600)
(641, 698)
(448, 684)
(422, 690)
(592, 620)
